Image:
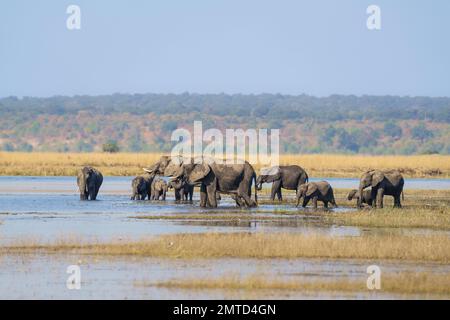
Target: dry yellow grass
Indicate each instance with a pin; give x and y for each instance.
(354, 165)
(66, 164)
(119, 164)
(394, 218)
(259, 245)
(404, 283)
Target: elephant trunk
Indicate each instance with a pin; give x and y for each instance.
(258, 183)
(134, 192)
(83, 188)
(359, 200)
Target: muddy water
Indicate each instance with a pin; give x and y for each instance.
(48, 208)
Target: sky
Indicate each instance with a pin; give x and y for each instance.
(319, 47)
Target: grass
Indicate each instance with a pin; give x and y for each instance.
(404, 283)
(428, 209)
(259, 246)
(125, 164)
(394, 218)
(437, 219)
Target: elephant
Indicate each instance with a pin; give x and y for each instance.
(183, 190)
(286, 177)
(141, 187)
(89, 181)
(213, 178)
(383, 183)
(321, 191)
(366, 198)
(159, 189)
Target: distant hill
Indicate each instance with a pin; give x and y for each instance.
(144, 122)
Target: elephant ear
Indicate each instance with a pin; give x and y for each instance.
(272, 174)
(199, 172)
(174, 170)
(377, 177)
(310, 189)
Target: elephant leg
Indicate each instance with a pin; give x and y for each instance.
(203, 196)
(397, 203)
(332, 199)
(239, 201)
(325, 204)
(211, 192)
(373, 195)
(249, 202)
(380, 195)
(275, 187)
(164, 196)
(97, 188)
(298, 197)
(279, 195)
(305, 202)
(315, 202)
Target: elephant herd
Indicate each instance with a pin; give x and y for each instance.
(236, 180)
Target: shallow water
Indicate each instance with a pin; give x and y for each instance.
(48, 209)
(44, 277)
(121, 185)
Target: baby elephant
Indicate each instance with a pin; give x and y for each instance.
(321, 191)
(141, 186)
(366, 198)
(183, 190)
(89, 181)
(159, 189)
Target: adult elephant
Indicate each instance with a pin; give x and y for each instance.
(382, 183)
(286, 177)
(89, 181)
(213, 178)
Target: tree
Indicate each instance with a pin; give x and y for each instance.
(82, 146)
(169, 125)
(392, 130)
(420, 132)
(7, 146)
(110, 146)
(328, 135)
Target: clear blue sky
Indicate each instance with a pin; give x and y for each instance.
(318, 47)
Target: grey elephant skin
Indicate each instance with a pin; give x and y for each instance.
(141, 187)
(365, 199)
(183, 190)
(317, 191)
(159, 189)
(383, 183)
(283, 177)
(89, 181)
(213, 178)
